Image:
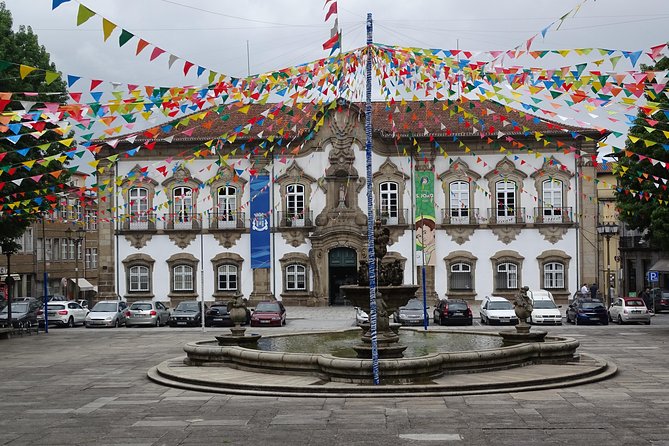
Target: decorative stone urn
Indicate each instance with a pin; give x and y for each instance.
(237, 336)
(523, 307)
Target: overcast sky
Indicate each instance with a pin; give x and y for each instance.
(281, 33)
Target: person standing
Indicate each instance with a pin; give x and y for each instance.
(585, 290)
(593, 290)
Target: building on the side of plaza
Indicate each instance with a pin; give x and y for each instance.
(64, 243)
(512, 203)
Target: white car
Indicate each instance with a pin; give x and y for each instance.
(545, 311)
(361, 316)
(66, 314)
(629, 309)
(107, 313)
(497, 310)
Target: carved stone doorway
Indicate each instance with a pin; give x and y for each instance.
(342, 270)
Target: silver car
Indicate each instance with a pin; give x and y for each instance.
(147, 312)
(107, 313)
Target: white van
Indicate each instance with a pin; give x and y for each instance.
(545, 311)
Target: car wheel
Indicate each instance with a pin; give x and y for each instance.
(157, 322)
(116, 323)
(647, 322)
(435, 318)
(576, 321)
(605, 322)
(482, 319)
(620, 320)
(127, 325)
(70, 322)
(610, 318)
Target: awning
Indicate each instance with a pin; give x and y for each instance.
(84, 285)
(661, 266)
(16, 277)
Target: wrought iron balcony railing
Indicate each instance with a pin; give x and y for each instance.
(227, 220)
(182, 221)
(552, 215)
(138, 222)
(392, 217)
(294, 219)
(506, 215)
(460, 216)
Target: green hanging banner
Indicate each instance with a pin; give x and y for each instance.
(425, 218)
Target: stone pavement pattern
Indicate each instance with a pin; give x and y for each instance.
(89, 387)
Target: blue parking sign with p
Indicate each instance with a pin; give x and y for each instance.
(653, 276)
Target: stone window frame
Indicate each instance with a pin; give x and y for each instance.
(139, 260)
(507, 256)
(388, 172)
(505, 170)
(459, 171)
(225, 176)
(295, 258)
(183, 258)
(555, 256)
(552, 170)
(227, 258)
(457, 257)
(296, 175)
(137, 179)
(182, 178)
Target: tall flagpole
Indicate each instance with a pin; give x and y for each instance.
(371, 257)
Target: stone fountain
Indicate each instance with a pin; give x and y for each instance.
(523, 307)
(391, 294)
(237, 336)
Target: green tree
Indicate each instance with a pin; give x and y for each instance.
(22, 47)
(650, 213)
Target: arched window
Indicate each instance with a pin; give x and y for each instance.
(295, 204)
(507, 276)
(227, 278)
(183, 278)
(182, 205)
(460, 277)
(138, 207)
(459, 202)
(227, 206)
(138, 279)
(554, 275)
(296, 277)
(551, 193)
(389, 202)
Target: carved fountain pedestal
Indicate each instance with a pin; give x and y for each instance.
(523, 307)
(237, 336)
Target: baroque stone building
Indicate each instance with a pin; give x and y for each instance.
(510, 198)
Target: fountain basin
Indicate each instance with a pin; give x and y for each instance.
(414, 370)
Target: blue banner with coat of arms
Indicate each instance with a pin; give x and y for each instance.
(260, 233)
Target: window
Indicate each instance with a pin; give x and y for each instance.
(227, 278)
(56, 249)
(227, 206)
(460, 277)
(91, 220)
(554, 275)
(389, 200)
(296, 278)
(139, 279)
(183, 206)
(64, 249)
(49, 248)
(26, 241)
(91, 258)
(183, 278)
(295, 204)
(506, 201)
(71, 245)
(507, 276)
(459, 199)
(40, 251)
(552, 200)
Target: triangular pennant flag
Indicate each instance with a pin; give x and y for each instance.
(155, 53)
(107, 28)
(50, 76)
(72, 79)
(57, 3)
(124, 37)
(140, 46)
(25, 70)
(84, 14)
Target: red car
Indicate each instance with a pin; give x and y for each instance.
(267, 314)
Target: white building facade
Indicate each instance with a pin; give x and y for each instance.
(510, 207)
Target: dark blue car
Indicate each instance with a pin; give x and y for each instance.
(587, 311)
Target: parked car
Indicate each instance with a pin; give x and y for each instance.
(410, 314)
(268, 313)
(83, 303)
(107, 313)
(66, 314)
(453, 311)
(147, 312)
(497, 310)
(187, 313)
(629, 309)
(660, 299)
(218, 316)
(361, 316)
(545, 311)
(587, 311)
(26, 312)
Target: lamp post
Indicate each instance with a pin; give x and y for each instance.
(608, 230)
(77, 243)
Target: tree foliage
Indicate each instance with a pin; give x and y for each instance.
(642, 205)
(22, 47)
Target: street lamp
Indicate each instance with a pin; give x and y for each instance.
(608, 230)
(77, 239)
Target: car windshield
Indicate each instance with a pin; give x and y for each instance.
(499, 306)
(267, 306)
(544, 304)
(18, 307)
(105, 307)
(592, 305)
(141, 306)
(413, 304)
(188, 307)
(634, 303)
